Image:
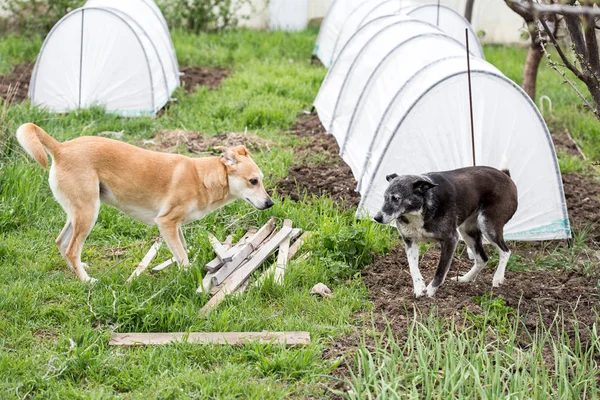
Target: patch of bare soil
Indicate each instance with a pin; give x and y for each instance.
(316, 62)
(14, 86)
(583, 203)
(331, 177)
(563, 142)
(534, 294)
(202, 76)
(198, 143)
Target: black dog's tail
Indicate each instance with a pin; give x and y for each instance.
(504, 166)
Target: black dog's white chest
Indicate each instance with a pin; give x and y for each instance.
(412, 226)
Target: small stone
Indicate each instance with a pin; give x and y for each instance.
(321, 290)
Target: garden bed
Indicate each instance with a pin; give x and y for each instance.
(202, 76)
(16, 84)
(331, 176)
(200, 143)
(537, 295)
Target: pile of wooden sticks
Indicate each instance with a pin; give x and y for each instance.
(229, 272)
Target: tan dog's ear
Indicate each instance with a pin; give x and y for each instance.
(241, 150)
(228, 156)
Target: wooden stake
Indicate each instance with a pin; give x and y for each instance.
(228, 268)
(296, 246)
(470, 95)
(291, 252)
(219, 249)
(282, 259)
(208, 278)
(217, 263)
(244, 271)
(223, 338)
(143, 265)
(162, 266)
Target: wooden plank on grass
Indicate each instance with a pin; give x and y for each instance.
(271, 270)
(282, 260)
(143, 265)
(219, 249)
(296, 246)
(228, 268)
(217, 263)
(162, 266)
(215, 289)
(264, 231)
(242, 273)
(223, 338)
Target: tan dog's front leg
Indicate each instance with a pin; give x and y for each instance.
(170, 231)
(182, 239)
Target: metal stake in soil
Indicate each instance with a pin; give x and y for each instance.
(470, 96)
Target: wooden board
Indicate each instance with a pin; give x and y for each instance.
(228, 338)
(296, 246)
(254, 242)
(162, 266)
(242, 273)
(208, 278)
(143, 265)
(282, 259)
(217, 263)
(220, 250)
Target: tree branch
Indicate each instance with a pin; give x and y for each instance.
(542, 9)
(552, 65)
(561, 53)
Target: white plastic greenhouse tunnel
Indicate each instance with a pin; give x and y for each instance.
(379, 53)
(110, 53)
(345, 17)
(396, 100)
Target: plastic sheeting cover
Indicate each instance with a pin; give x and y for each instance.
(348, 71)
(101, 56)
(330, 27)
(430, 131)
(360, 122)
(346, 17)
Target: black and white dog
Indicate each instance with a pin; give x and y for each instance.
(476, 201)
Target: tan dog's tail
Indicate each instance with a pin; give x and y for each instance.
(36, 142)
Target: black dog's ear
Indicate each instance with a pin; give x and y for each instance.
(423, 185)
(390, 177)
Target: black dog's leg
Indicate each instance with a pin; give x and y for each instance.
(448, 247)
(412, 254)
(472, 238)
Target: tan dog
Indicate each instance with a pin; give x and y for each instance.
(155, 188)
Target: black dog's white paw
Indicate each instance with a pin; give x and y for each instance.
(420, 289)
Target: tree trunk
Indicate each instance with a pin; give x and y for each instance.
(469, 10)
(534, 56)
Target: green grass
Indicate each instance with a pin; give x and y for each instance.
(481, 360)
(54, 331)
